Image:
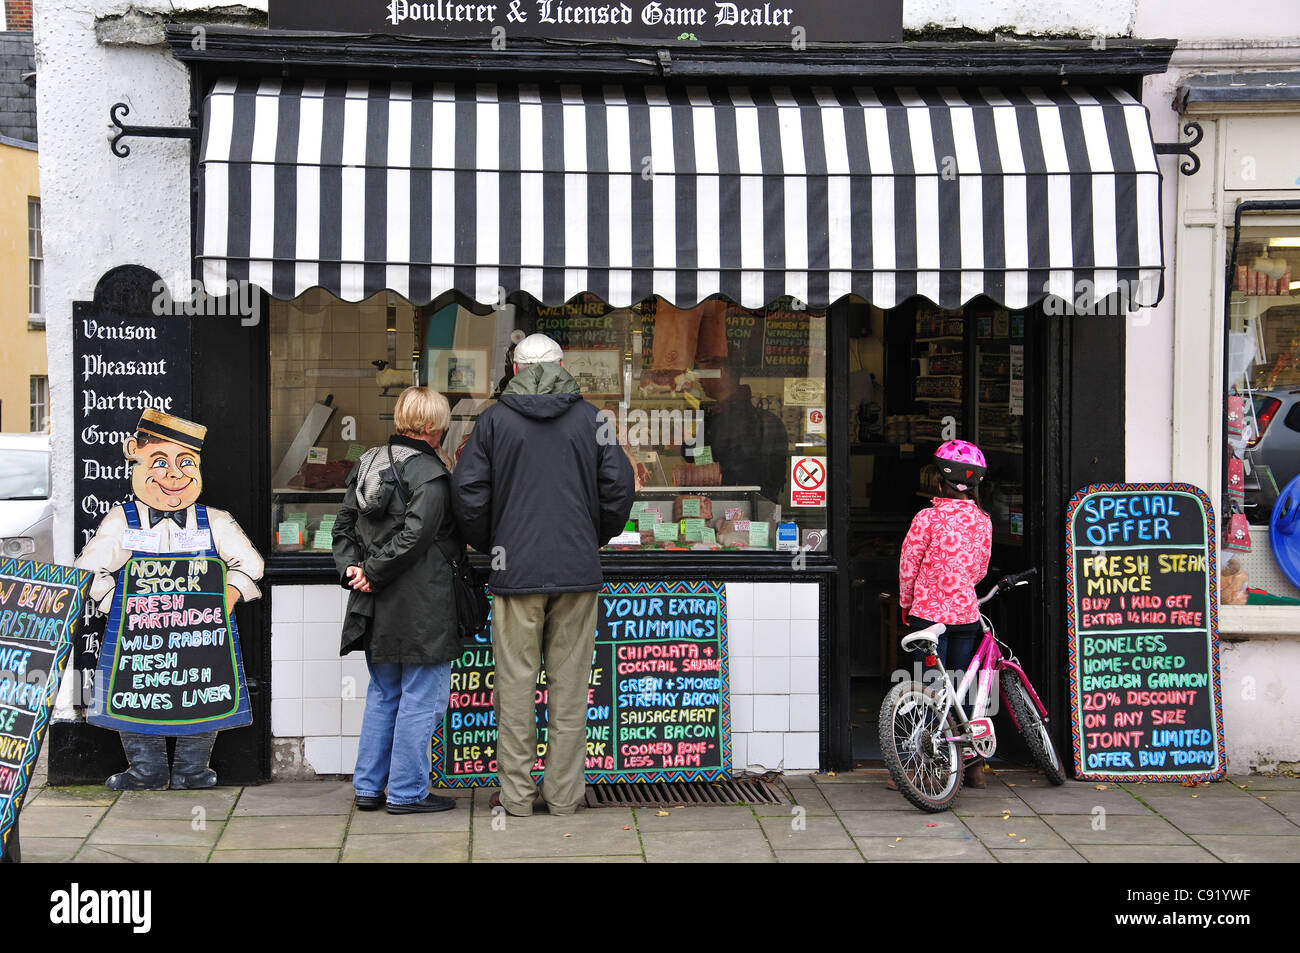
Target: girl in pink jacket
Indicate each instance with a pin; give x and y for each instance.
(945, 554)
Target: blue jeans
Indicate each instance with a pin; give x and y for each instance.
(403, 705)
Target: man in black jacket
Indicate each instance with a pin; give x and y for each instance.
(537, 489)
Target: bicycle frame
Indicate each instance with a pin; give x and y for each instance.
(987, 662)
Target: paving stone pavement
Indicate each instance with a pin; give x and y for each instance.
(844, 818)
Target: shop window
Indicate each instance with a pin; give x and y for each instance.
(1261, 479)
(721, 410)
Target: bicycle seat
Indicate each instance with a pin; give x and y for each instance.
(926, 640)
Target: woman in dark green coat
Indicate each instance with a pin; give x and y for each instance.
(392, 541)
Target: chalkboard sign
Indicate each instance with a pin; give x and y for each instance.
(40, 607)
(171, 662)
(1142, 605)
(657, 706)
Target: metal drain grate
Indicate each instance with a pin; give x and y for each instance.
(693, 794)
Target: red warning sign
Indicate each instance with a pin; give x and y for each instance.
(808, 481)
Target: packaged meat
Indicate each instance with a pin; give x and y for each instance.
(690, 505)
(697, 474)
(732, 532)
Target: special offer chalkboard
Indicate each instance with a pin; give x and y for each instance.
(171, 662)
(657, 705)
(1142, 604)
(40, 606)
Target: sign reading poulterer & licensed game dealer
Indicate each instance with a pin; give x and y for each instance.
(770, 21)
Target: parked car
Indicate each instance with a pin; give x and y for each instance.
(1277, 418)
(26, 513)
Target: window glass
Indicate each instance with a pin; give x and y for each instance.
(336, 370)
(40, 404)
(35, 263)
(1262, 425)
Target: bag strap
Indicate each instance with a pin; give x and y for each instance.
(401, 493)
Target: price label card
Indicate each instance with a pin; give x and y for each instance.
(704, 455)
(323, 539)
(355, 450)
(665, 532)
(647, 521)
(692, 529)
(690, 507)
(735, 513)
(290, 534)
(318, 455)
(708, 536)
(758, 534)
(191, 540)
(141, 540)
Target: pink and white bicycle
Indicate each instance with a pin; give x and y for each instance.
(926, 736)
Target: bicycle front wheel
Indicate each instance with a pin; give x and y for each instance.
(926, 767)
(1032, 727)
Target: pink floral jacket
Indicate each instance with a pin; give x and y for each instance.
(945, 554)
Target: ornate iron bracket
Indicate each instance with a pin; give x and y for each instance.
(1192, 163)
(121, 150)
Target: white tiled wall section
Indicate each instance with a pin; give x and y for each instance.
(772, 632)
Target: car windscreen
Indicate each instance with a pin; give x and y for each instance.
(24, 475)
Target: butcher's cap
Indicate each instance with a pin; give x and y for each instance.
(538, 349)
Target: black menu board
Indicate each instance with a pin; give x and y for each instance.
(657, 705)
(123, 365)
(1142, 605)
(40, 607)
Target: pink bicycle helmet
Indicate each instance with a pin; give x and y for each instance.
(961, 464)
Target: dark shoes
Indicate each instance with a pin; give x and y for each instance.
(133, 780)
(194, 781)
(432, 804)
(369, 802)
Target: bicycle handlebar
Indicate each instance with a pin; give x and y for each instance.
(1009, 582)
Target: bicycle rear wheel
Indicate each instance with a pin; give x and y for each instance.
(926, 768)
(1031, 725)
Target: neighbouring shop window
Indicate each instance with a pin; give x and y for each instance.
(1261, 492)
(35, 266)
(39, 419)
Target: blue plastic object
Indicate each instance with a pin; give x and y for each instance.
(1284, 531)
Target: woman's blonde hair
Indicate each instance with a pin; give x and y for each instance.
(419, 409)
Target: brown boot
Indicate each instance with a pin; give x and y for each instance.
(975, 774)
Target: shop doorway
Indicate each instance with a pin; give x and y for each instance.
(920, 375)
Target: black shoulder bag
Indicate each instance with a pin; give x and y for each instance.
(472, 605)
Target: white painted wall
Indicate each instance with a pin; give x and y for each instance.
(1261, 703)
(100, 211)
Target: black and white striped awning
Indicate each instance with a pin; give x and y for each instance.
(626, 192)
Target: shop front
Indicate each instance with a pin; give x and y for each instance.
(784, 277)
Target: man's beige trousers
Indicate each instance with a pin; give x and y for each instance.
(560, 628)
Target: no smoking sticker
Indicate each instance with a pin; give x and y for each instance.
(808, 481)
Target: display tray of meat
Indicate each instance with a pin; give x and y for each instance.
(690, 505)
(697, 474)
